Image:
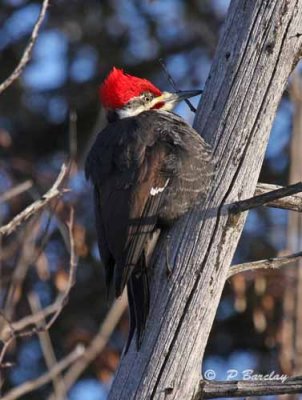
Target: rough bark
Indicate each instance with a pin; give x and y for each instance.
(258, 49)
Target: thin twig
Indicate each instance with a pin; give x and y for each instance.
(53, 308)
(262, 199)
(36, 318)
(6, 329)
(32, 385)
(38, 205)
(269, 263)
(57, 306)
(20, 270)
(72, 132)
(97, 344)
(15, 191)
(28, 50)
(4, 349)
(47, 347)
(173, 84)
(72, 271)
(46, 235)
(293, 203)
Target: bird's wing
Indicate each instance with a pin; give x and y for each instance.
(145, 200)
(104, 250)
(126, 169)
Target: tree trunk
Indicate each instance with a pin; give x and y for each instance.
(258, 49)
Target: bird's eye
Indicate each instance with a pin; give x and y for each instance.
(147, 97)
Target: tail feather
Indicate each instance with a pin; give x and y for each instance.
(139, 302)
(132, 323)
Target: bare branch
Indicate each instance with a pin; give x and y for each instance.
(15, 191)
(269, 263)
(293, 202)
(56, 308)
(32, 385)
(72, 272)
(4, 349)
(245, 388)
(262, 199)
(28, 50)
(37, 317)
(98, 343)
(37, 205)
(47, 348)
(27, 249)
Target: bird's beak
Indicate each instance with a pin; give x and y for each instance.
(168, 100)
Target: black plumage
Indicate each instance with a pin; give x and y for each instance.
(147, 171)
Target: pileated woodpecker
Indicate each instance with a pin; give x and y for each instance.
(148, 167)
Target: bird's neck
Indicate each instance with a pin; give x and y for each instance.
(115, 115)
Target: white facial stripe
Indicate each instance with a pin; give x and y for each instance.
(157, 190)
(130, 112)
(134, 109)
(167, 106)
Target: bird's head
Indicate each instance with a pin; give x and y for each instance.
(124, 95)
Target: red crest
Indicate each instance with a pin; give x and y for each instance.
(119, 87)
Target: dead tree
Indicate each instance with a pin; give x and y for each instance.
(260, 44)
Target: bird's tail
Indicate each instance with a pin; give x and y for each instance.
(139, 301)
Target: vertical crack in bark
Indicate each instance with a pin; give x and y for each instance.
(217, 143)
(267, 30)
